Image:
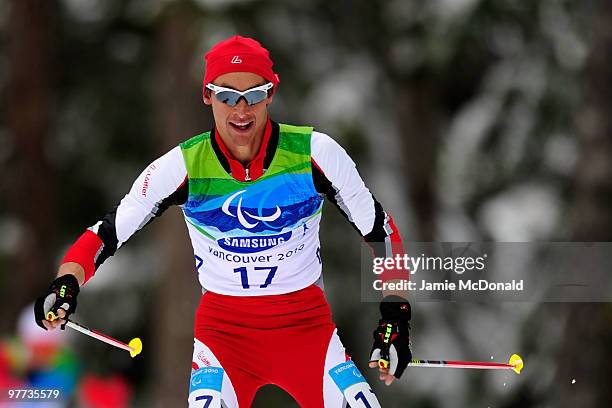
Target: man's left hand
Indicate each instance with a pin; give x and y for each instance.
(391, 350)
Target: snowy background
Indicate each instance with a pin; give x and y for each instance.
(470, 120)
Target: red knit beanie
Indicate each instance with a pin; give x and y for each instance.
(239, 54)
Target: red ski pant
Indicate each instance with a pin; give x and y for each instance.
(290, 340)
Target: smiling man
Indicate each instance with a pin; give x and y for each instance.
(252, 191)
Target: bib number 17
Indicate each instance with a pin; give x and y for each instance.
(244, 276)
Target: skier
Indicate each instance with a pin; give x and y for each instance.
(251, 191)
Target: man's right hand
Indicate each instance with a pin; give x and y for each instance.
(59, 301)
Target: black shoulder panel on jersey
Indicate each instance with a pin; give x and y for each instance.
(179, 197)
(378, 233)
(325, 187)
(272, 144)
(322, 184)
(108, 234)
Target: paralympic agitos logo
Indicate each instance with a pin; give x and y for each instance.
(249, 221)
(242, 215)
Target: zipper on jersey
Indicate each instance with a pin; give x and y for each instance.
(247, 176)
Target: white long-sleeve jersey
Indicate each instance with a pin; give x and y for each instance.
(239, 249)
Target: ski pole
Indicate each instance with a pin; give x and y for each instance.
(134, 346)
(515, 363)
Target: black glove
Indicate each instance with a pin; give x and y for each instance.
(391, 347)
(62, 294)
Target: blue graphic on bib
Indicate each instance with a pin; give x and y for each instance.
(208, 378)
(271, 205)
(345, 375)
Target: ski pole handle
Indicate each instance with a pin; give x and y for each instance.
(51, 316)
(383, 361)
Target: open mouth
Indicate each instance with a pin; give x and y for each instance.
(242, 126)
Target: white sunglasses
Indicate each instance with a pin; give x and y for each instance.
(231, 97)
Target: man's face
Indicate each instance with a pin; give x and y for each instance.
(243, 124)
